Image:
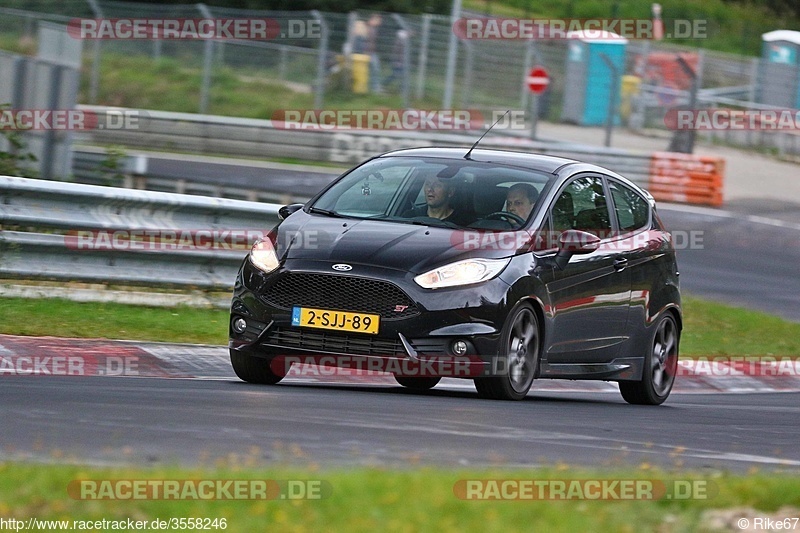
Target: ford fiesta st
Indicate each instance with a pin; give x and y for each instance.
(501, 267)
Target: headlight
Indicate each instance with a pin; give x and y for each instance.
(263, 256)
(462, 273)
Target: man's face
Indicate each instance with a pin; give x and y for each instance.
(518, 204)
(437, 194)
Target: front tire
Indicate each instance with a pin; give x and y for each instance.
(660, 367)
(416, 383)
(253, 369)
(520, 352)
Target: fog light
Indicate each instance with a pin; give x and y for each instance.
(239, 325)
(459, 347)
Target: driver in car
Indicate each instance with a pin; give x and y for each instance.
(438, 203)
(520, 199)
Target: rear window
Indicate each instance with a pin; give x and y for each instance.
(633, 211)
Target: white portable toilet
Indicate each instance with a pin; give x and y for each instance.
(779, 72)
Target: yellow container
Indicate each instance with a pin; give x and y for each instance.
(630, 88)
(360, 73)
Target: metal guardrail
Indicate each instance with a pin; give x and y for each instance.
(95, 166)
(40, 221)
(211, 134)
(653, 99)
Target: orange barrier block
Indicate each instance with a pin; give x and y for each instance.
(686, 178)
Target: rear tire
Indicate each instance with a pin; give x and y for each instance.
(520, 350)
(253, 369)
(417, 384)
(660, 367)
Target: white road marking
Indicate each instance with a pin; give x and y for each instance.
(562, 439)
(721, 213)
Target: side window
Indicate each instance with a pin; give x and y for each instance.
(582, 206)
(632, 210)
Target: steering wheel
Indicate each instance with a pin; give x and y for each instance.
(505, 215)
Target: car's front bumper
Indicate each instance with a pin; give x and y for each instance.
(472, 314)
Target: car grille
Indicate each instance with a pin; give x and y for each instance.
(342, 293)
(333, 343)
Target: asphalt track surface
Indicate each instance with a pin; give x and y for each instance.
(745, 259)
(103, 420)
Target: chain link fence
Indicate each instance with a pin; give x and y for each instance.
(368, 60)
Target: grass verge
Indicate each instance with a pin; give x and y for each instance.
(63, 318)
(710, 328)
(369, 499)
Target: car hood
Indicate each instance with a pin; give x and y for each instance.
(396, 245)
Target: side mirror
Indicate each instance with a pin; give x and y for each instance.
(574, 241)
(287, 210)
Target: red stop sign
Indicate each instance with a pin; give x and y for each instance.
(537, 80)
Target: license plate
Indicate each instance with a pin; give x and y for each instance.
(338, 320)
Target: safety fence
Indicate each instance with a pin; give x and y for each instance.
(407, 67)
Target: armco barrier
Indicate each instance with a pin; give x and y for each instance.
(244, 137)
(38, 221)
(686, 178)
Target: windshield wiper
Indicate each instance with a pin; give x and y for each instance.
(433, 222)
(324, 212)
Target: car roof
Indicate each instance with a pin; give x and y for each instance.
(540, 162)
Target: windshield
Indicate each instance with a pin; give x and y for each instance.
(437, 192)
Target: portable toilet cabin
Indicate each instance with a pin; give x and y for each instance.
(779, 72)
(589, 80)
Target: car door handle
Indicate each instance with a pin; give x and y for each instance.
(620, 263)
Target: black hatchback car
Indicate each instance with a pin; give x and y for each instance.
(496, 266)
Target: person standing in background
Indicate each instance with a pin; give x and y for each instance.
(371, 48)
(398, 58)
(359, 37)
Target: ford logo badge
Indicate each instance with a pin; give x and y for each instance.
(341, 267)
